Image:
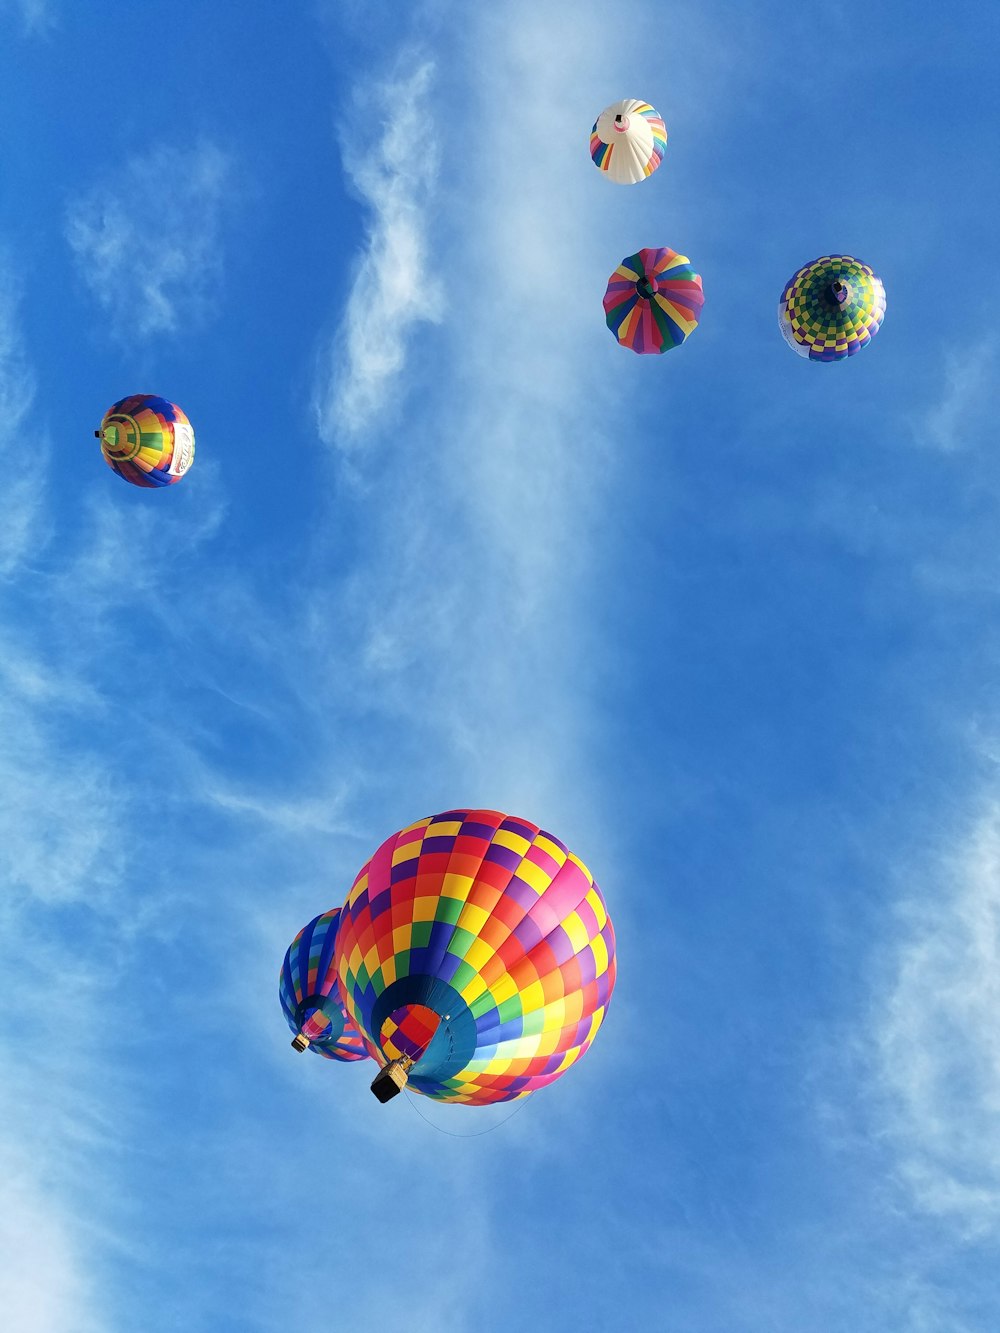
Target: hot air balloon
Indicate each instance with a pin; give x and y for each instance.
(307, 988)
(147, 440)
(653, 301)
(628, 141)
(831, 308)
(476, 957)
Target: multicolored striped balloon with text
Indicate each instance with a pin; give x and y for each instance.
(147, 440)
(479, 948)
(653, 301)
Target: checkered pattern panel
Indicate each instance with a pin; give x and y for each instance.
(818, 326)
(509, 921)
(307, 981)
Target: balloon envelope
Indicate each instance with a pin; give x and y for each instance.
(831, 308)
(310, 1000)
(628, 141)
(147, 440)
(480, 947)
(653, 301)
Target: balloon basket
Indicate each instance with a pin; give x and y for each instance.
(390, 1081)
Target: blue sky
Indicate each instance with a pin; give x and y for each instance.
(724, 621)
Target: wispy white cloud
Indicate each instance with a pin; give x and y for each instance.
(44, 1287)
(20, 498)
(393, 166)
(36, 16)
(148, 238)
(937, 1037)
(955, 418)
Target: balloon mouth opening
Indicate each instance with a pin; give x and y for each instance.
(408, 1031)
(839, 291)
(647, 287)
(120, 438)
(621, 124)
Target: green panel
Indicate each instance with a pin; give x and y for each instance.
(533, 1023)
(482, 1005)
(464, 973)
(449, 909)
(460, 943)
(510, 1008)
(421, 935)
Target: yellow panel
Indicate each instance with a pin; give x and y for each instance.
(358, 889)
(555, 1015)
(456, 886)
(424, 908)
(472, 918)
(545, 844)
(372, 960)
(496, 1066)
(505, 837)
(408, 852)
(388, 972)
(503, 988)
(519, 1048)
(447, 828)
(600, 955)
(421, 823)
(538, 878)
(568, 1059)
(532, 998)
(401, 937)
(478, 954)
(579, 935)
(596, 905)
(354, 962)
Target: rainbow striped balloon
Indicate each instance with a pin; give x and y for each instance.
(307, 988)
(147, 440)
(831, 308)
(653, 301)
(628, 141)
(479, 947)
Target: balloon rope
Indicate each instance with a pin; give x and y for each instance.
(411, 1098)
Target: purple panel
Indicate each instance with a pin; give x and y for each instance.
(503, 856)
(522, 894)
(380, 903)
(441, 842)
(528, 934)
(561, 945)
(474, 830)
(588, 966)
(523, 830)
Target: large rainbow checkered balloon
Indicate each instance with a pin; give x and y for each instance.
(628, 141)
(147, 440)
(653, 301)
(831, 308)
(479, 948)
(310, 1000)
